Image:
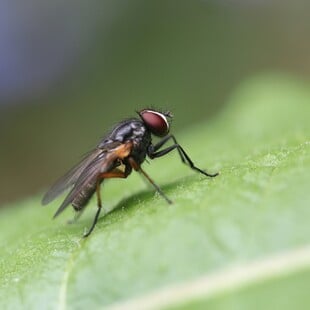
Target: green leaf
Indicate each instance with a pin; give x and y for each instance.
(253, 217)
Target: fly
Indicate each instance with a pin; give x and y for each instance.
(124, 149)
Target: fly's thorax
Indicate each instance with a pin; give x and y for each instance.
(133, 130)
(130, 129)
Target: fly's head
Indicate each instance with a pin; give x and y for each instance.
(157, 122)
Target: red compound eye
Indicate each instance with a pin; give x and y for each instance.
(155, 121)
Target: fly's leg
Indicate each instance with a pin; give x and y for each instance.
(138, 168)
(157, 146)
(77, 215)
(116, 173)
(154, 152)
(99, 205)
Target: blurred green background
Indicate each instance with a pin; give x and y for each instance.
(70, 70)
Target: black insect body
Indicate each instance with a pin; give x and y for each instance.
(125, 148)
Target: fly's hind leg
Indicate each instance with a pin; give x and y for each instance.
(116, 173)
(99, 206)
(77, 215)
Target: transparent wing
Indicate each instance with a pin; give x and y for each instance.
(88, 178)
(70, 177)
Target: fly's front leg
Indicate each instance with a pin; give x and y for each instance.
(158, 145)
(154, 152)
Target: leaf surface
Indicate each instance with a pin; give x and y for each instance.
(256, 209)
